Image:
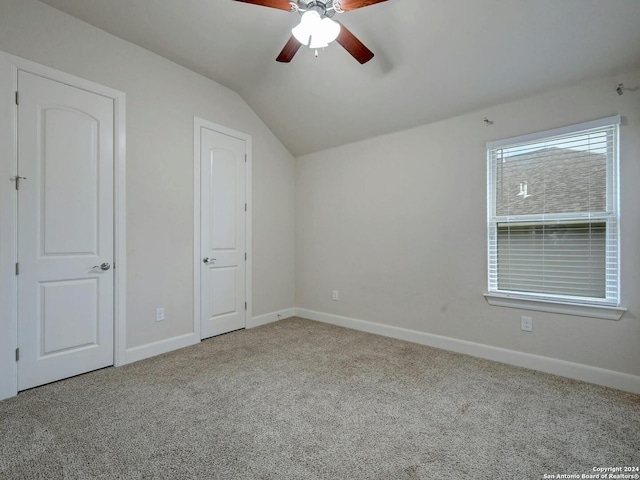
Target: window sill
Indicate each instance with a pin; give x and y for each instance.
(594, 311)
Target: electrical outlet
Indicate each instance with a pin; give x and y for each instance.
(335, 295)
(159, 314)
(526, 324)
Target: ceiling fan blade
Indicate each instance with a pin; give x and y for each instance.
(354, 46)
(289, 50)
(348, 5)
(279, 4)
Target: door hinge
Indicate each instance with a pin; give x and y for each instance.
(245, 305)
(17, 179)
(17, 354)
(17, 98)
(245, 207)
(245, 155)
(245, 256)
(17, 268)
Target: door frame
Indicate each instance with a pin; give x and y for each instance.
(198, 125)
(9, 67)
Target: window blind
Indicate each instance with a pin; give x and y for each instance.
(553, 214)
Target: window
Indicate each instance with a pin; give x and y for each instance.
(553, 216)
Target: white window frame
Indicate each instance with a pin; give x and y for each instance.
(608, 308)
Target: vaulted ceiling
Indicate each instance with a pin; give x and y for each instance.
(434, 58)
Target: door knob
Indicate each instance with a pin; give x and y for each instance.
(103, 266)
(208, 260)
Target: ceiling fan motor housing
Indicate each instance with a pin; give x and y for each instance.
(325, 8)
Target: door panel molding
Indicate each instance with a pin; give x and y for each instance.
(9, 67)
(198, 125)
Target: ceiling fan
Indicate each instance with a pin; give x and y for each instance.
(317, 28)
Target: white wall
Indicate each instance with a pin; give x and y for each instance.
(397, 224)
(162, 99)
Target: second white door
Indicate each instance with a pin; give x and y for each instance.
(223, 232)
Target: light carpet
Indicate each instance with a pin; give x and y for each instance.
(299, 399)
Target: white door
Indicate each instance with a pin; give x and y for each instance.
(223, 233)
(65, 231)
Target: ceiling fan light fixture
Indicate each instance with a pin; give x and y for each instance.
(317, 42)
(314, 31)
(330, 29)
(307, 27)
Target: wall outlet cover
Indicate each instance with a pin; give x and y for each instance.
(526, 324)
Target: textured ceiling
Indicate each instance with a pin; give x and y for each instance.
(434, 58)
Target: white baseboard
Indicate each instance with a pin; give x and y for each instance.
(271, 317)
(163, 346)
(577, 371)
